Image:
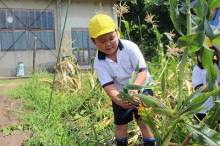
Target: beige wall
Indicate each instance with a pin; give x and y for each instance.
(45, 58)
(80, 12)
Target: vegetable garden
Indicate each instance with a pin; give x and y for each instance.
(71, 108)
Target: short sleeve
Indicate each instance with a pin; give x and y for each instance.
(197, 78)
(103, 74)
(136, 55)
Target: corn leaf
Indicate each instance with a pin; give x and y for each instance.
(204, 134)
(127, 97)
(199, 100)
(175, 15)
(208, 30)
(213, 4)
(169, 131)
(201, 9)
(212, 73)
(133, 87)
(195, 111)
(134, 74)
(149, 120)
(213, 115)
(126, 23)
(217, 41)
(194, 42)
(163, 111)
(193, 95)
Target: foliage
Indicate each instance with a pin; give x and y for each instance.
(187, 105)
(141, 32)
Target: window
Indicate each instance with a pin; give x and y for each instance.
(81, 40)
(18, 28)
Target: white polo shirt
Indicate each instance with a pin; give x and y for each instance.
(118, 73)
(199, 79)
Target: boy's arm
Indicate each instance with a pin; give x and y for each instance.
(141, 77)
(112, 92)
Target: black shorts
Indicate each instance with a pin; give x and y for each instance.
(124, 116)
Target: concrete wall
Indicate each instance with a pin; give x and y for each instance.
(80, 12)
(45, 58)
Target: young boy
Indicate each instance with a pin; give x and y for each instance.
(114, 64)
(199, 79)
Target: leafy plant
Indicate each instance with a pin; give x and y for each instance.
(189, 105)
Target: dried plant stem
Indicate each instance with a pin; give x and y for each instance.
(58, 57)
(186, 141)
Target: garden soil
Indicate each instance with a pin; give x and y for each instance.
(8, 109)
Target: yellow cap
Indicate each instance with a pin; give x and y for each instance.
(101, 24)
(208, 42)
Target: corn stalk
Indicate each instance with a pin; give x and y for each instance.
(190, 104)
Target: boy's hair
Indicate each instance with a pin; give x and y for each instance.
(101, 24)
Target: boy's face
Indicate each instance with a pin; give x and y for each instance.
(107, 43)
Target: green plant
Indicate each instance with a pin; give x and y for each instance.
(187, 104)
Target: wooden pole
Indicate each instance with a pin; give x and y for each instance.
(34, 54)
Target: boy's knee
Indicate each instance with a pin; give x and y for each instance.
(141, 125)
(121, 127)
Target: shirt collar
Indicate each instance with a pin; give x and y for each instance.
(102, 56)
(200, 65)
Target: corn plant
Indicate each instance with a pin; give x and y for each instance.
(69, 76)
(163, 119)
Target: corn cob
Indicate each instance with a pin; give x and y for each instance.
(149, 101)
(127, 97)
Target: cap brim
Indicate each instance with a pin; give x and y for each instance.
(105, 31)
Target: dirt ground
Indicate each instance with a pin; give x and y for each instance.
(8, 109)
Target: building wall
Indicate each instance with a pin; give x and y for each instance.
(80, 12)
(44, 58)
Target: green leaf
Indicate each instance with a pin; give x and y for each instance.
(217, 40)
(201, 9)
(194, 111)
(213, 4)
(127, 97)
(199, 100)
(149, 120)
(193, 95)
(175, 15)
(126, 23)
(134, 74)
(213, 115)
(212, 73)
(208, 30)
(194, 42)
(204, 135)
(6, 131)
(133, 87)
(163, 111)
(169, 131)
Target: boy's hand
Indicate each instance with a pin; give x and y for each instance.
(124, 104)
(133, 92)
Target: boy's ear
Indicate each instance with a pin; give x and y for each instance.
(93, 40)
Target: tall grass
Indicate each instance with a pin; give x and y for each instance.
(76, 118)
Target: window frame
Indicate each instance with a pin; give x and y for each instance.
(90, 47)
(27, 29)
